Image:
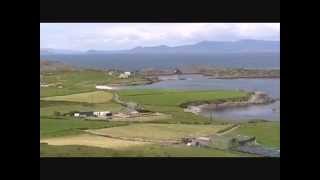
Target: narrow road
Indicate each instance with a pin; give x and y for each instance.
(129, 105)
(116, 98)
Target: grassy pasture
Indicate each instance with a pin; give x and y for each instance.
(152, 150)
(267, 133)
(156, 97)
(89, 97)
(53, 127)
(91, 140)
(80, 81)
(48, 108)
(168, 101)
(159, 132)
(78, 94)
(145, 118)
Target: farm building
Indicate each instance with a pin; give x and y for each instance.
(104, 87)
(102, 113)
(91, 114)
(177, 71)
(125, 75)
(198, 142)
(83, 114)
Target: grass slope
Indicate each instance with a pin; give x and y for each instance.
(47, 108)
(168, 101)
(156, 97)
(141, 151)
(51, 127)
(160, 131)
(79, 81)
(92, 141)
(267, 133)
(89, 97)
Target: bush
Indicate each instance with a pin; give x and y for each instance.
(233, 143)
(144, 111)
(56, 113)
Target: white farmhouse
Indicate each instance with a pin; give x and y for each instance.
(127, 73)
(123, 76)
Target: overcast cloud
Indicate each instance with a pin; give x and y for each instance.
(115, 36)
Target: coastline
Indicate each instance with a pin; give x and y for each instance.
(211, 76)
(255, 98)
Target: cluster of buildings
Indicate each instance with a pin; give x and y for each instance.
(93, 114)
(105, 114)
(122, 75)
(125, 75)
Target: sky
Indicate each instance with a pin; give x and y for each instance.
(117, 36)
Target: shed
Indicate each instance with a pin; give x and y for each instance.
(199, 142)
(83, 114)
(127, 73)
(123, 76)
(102, 113)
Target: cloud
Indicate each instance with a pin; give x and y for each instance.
(111, 36)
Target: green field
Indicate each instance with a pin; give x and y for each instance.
(174, 98)
(81, 81)
(53, 127)
(159, 132)
(93, 141)
(141, 151)
(89, 97)
(77, 93)
(168, 101)
(267, 133)
(48, 108)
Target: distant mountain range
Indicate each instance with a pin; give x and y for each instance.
(49, 51)
(241, 46)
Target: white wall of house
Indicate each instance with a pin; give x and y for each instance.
(127, 73)
(102, 113)
(123, 76)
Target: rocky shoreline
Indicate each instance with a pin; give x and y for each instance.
(256, 98)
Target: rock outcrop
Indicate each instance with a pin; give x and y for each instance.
(255, 98)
